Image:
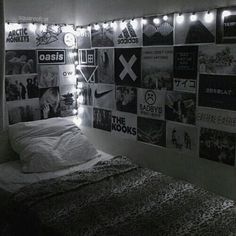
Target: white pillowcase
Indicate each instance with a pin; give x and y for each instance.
(49, 145)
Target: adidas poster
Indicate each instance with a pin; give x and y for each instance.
(158, 30)
(128, 33)
(128, 66)
(102, 119)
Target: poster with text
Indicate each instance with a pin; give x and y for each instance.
(20, 62)
(19, 36)
(49, 102)
(85, 114)
(217, 146)
(185, 62)
(151, 103)
(128, 66)
(104, 96)
(83, 38)
(128, 33)
(225, 25)
(105, 64)
(21, 87)
(102, 36)
(124, 125)
(182, 138)
(67, 74)
(198, 30)
(185, 85)
(180, 107)
(126, 99)
(23, 111)
(157, 68)
(224, 120)
(102, 119)
(48, 76)
(85, 94)
(152, 131)
(158, 30)
(216, 59)
(67, 100)
(217, 91)
(51, 57)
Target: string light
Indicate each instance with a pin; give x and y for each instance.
(226, 13)
(43, 27)
(81, 110)
(80, 99)
(208, 17)
(165, 18)
(105, 25)
(134, 23)
(156, 21)
(180, 19)
(96, 26)
(114, 25)
(77, 121)
(144, 21)
(76, 62)
(122, 25)
(75, 111)
(32, 27)
(193, 17)
(89, 27)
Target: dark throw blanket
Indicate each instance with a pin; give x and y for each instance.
(117, 197)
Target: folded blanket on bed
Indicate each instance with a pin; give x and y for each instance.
(117, 197)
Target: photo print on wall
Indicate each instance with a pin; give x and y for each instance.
(217, 146)
(48, 76)
(185, 85)
(102, 119)
(85, 113)
(85, 94)
(195, 28)
(67, 74)
(152, 131)
(157, 68)
(158, 30)
(83, 38)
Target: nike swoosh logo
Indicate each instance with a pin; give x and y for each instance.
(98, 95)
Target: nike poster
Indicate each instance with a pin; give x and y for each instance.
(83, 38)
(85, 113)
(185, 62)
(158, 30)
(225, 26)
(181, 138)
(102, 119)
(128, 33)
(105, 66)
(198, 30)
(128, 66)
(104, 96)
(124, 125)
(151, 103)
(217, 91)
(152, 131)
(157, 68)
(102, 36)
(126, 99)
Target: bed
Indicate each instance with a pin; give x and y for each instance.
(108, 195)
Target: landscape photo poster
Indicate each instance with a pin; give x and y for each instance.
(217, 59)
(195, 31)
(217, 146)
(67, 100)
(158, 30)
(102, 119)
(83, 38)
(85, 94)
(157, 68)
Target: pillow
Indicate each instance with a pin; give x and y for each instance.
(49, 145)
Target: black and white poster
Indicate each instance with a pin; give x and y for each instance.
(216, 59)
(180, 107)
(225, 25)
(182, 138)
(104, 96)
(67, 100)
(128, 66)
(224, 120)
(158, 30)
(105, 64)
(217, 146)
(157, 68)
(48, 76)
(55, 36)
(67, 74)
(49, 102)
(23, 111)
(185, 85)
(152, 131)
(85, 94)
(21, 87)
(185, 62)
(128, 33)
(52, 57)
(124, 125)
(217, 91)
(151, 103)
(20, 62)
(20, 36)
(102, 35)
(199, 27)
(102, 119)
(126, 99)
(85, 114)
(83, 38)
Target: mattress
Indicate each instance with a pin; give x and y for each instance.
(12, 178)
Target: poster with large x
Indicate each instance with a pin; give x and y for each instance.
(128, 66)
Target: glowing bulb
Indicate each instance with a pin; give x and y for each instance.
(43, 27)
(226, 13)
(80, 99)
(32, 27)
(81, 110)
(114, 25)
(134, 23)
(89, 27)
(75, 112)
(156, 21)
(78, 67)
(180, 19)
(97, 27)
(76, 62)
(193, 17)
(14, 26)
(8, 26)
(69, 28)
(144, 21)
(75, 54)
(80, 85)
(122, 25)
(165, 18)
(71, 54)
(105, 25)
(77, 121)
(209, 17)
